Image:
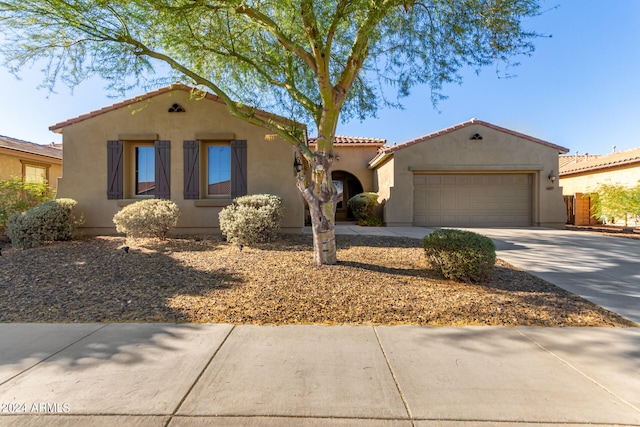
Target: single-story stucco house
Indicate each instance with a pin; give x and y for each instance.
(580, 175)
(32, 162)
(170, 144)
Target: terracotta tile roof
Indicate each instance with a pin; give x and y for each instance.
(29, 147)
(176, 86)
(469, 123)
(573, 158)
(604, 161)
(354, 141)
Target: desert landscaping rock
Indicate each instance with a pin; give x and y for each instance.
(378, 280)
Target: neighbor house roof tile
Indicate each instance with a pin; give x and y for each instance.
(604, 161)
(29, 147)
(575, 158)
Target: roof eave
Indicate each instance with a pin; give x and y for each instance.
(379, 159)
(58, 127)
(561, 150)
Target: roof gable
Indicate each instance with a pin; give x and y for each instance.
(603, 161)
(387, 151)
(467, 124)
(30, 147)
(176, 86)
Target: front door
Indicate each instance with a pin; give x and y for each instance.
(348, 186)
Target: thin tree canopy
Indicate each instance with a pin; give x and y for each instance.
(315, 61)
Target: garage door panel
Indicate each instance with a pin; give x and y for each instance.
(473, 200)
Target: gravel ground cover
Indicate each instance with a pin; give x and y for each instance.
(378, 280)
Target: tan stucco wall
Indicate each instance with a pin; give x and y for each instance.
(496, 152)
(355, 160)
(383, 180)
(11, 165)
(269, 163)
(583, 182)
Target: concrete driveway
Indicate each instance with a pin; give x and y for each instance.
(604, 270)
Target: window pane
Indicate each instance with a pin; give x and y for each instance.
(340, 189)
(218, 170)
(35, 174)
(145, 171)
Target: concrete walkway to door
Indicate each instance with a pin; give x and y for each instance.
(604, 270)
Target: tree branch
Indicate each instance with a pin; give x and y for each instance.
(272, 27)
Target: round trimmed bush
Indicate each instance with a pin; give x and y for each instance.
(251, 219)
(363, 205)
(49, 221)
(147, 218)
(461, 255)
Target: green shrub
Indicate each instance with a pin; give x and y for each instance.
(147, 218)
(615, 202)
(251, 219)
(50, 221)
(461, 255)
(363, 205)
(17, 195)
(371, 221)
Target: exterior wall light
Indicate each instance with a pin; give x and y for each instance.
(552, 177)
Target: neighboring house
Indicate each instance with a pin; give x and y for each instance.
(192, 151)
(474, 174)
(173, 144)
(582, 176)
(32, 162)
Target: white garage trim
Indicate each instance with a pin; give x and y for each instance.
(479, 168)
(473, 199)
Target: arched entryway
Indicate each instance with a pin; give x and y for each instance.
(348, 186)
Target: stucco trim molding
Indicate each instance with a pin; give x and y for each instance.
(215, 136)
(479, 168)
(138, 136)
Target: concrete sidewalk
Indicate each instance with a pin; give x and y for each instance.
(221, 375)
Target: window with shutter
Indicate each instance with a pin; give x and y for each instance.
(115, 170)
(238, 168)
(162, 169)
(138, 169)
(191, 169)
(215, 169)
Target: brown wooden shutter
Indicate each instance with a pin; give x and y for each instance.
(191, 169)
(238, 168)
(163, 169)
(114, 170)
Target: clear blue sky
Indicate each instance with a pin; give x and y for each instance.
(580, 89)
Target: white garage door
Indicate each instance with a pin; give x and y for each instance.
(482, 200)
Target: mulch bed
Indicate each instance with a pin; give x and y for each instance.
(608, 230)
(378, 280)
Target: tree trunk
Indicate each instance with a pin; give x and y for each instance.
(321, 196)
(324, 232)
